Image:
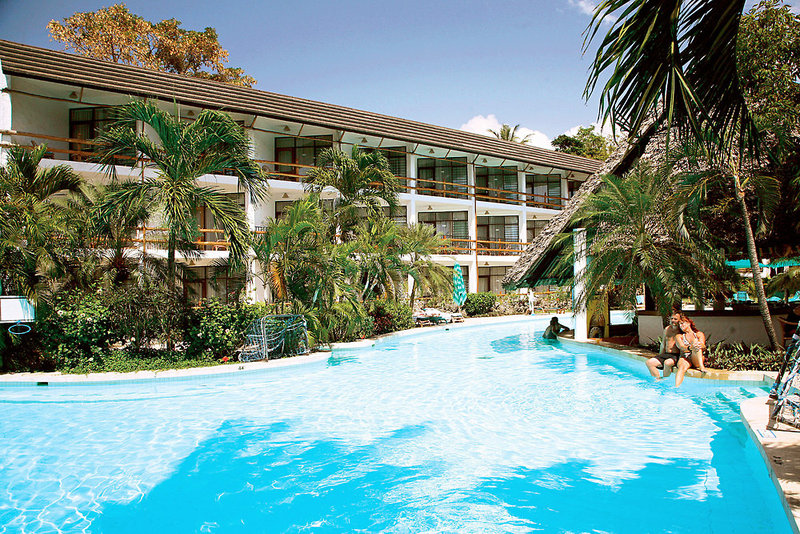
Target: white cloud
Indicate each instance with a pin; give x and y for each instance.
(481, 125)
(588, 8)
(603, 129)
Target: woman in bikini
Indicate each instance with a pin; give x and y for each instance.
(691, 343)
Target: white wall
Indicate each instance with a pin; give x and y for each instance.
(731, 327)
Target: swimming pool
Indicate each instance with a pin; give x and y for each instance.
(478, 429)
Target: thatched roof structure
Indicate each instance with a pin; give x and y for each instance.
(537, 257)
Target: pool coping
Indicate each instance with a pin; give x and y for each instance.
(34, 379)
(779, 446)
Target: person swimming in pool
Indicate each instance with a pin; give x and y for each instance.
(555, 328)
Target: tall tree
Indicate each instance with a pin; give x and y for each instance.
(420, 242)
(179, 153)
(115, 34)
(35, 224)
(507, 133)
(674, 63)
(585, 143)
(640, 240)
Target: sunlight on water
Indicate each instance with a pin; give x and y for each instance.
(482, 429)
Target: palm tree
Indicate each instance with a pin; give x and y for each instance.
(36, 223)
(420, 242)
(378, 249)
(507, 133)
(180, 153)
(639, 240)
(362, 179)
(675, 64)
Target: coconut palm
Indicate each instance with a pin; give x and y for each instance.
(639, 241)
(36, 223)
(363, 180)
(675, 60)
(420, 242)
(507, 133)
(179, 153)
(674, 63)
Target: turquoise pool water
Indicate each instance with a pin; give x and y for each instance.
(482, 429)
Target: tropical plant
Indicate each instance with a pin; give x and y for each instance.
(179, 154)
(675, 65)
(479, 303)
(363, 181)
(640, 239)
(787, 282)
(378, 250)
(115, 34)
(36, 223)
(507, 133)
(585, 143)
(420, 242)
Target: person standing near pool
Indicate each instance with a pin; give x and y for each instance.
(555, 328)
(691, 342)
(669, 352)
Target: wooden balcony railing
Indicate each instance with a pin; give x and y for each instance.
(277, 170)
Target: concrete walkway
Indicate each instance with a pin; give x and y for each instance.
(779, 445)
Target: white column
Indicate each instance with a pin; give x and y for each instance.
(5, 114)
(581, 324)
(473, 276)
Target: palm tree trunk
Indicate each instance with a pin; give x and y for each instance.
(172, 286)
(754, 268)
(413, 294)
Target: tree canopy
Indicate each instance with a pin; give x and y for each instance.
(509, 133)
(585, 143)
(115, 34)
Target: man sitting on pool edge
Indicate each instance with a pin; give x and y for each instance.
(555, 328)
(669, 351)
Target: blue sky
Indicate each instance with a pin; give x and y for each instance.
(469, 64)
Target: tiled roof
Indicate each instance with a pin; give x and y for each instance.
(44, 64)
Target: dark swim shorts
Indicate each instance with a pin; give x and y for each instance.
(664, 356)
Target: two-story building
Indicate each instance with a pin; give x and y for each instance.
(489, 197)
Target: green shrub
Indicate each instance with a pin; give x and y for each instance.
(740, 357)
(390, 316)
(216, 329)
(344, 322)
(479, 303)
(120, 361)
(78, 329)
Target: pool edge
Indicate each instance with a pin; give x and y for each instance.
(780, 450)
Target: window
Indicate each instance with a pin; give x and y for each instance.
(205, 220)
(442, 177)
(281, 207)
(397, 159)
(496, 178)
(490, 279)
(87, 123)
(398, 215)
(544, 190)
(211, 282)
(502, 228)
(535, 228)
(450, 224)
(572, 187)
(299, 151)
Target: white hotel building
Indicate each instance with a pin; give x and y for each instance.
(488, 196)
